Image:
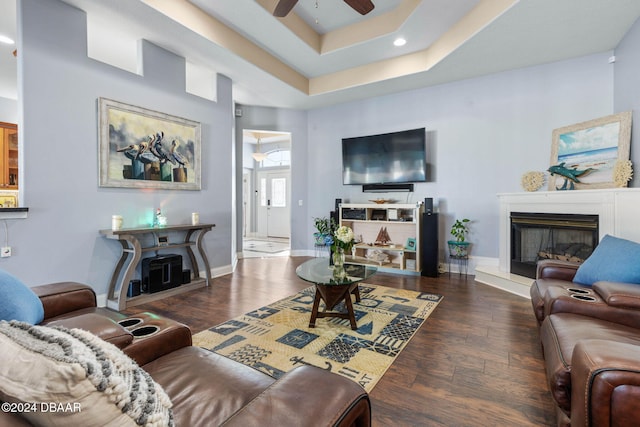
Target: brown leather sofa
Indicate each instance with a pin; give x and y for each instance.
(206, 389)
(591, 344)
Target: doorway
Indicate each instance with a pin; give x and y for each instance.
(266, 194)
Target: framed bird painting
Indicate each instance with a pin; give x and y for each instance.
(141, 148)
(590, 154)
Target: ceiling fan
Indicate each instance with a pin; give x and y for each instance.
(361, 6)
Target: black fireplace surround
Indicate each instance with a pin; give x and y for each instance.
(538, 236)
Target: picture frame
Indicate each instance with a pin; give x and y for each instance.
(411, 244)
(143, 148)
(591, 149)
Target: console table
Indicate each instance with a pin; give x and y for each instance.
(132, 252)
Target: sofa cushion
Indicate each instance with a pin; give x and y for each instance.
(206, 399)
(614, 259)
(18, 301)
(87, 380)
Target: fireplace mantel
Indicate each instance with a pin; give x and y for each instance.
(618, 211)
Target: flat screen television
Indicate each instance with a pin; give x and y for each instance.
(390, 158)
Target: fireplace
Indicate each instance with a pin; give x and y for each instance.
(539, 236)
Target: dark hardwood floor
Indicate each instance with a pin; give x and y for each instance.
(475, 362)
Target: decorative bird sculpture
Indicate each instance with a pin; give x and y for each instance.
(570, 175)
(179, 158)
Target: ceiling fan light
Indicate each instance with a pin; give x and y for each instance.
(399, 42)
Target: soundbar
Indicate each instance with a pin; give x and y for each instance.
(384, 188)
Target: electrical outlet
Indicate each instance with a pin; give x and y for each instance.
(5, 252)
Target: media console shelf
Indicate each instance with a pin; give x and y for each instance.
(398, 224)
(132, 251)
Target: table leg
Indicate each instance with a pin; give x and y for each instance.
(314, 311)
(352, 316)
(356, 292)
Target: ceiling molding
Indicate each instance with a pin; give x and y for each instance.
(190, 16)
(477, 19)
(349, 35)
(296, 25)
(377, 26)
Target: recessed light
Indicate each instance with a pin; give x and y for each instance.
(6, 40)
(399, 42)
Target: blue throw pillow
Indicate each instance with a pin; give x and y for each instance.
(614, 260)
(18, 301)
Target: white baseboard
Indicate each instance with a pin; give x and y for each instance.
(492, 276)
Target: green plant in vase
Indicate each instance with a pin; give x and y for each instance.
(324, 228)
(459, 230)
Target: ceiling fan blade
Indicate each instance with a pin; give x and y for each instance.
(361, 6)
(284, 7)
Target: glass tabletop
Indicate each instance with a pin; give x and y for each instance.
(319, 271)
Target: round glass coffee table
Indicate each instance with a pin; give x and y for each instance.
(333, 285)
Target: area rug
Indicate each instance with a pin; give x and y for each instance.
(276, 338)
(265, 246)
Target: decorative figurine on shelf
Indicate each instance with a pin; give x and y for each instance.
(378, 256)
(159, 220)
(532, 180)
(569, 175)
(343, 241)
(622, 173)
(383, 238)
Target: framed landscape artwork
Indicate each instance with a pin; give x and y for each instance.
(589, 151)
(141, 148)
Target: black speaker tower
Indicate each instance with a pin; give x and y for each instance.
(429, 243)
(428, 205)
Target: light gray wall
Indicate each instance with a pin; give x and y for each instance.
(8, 110)
(627, 89)
(60, 241)
(484, 133)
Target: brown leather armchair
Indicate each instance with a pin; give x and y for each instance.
(591, 344)
(206, 389)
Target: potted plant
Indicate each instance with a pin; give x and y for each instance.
(459, 247)
(324, 227)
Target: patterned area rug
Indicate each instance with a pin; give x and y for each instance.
(276, 338)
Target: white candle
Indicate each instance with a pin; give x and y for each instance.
(116, 222)
(195, 218)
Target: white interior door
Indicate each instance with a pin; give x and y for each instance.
(246, 203)
(274, 204)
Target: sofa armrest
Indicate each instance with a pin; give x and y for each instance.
(605, 378)
(171, 336)
(64, 297)
(103, 327)
(307, 396)
(556, 269)
(621, 295)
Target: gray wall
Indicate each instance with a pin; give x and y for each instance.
(484, 133)
(627, 89)
(60, 240)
